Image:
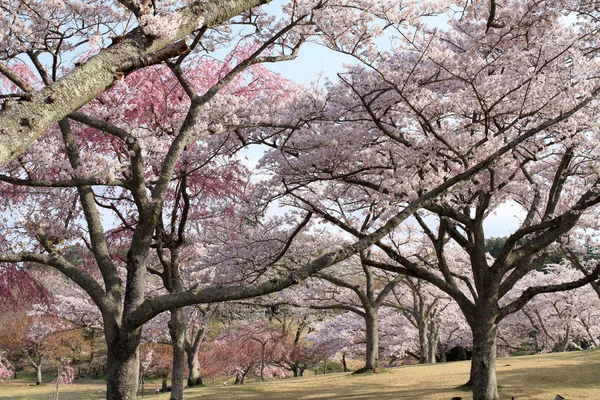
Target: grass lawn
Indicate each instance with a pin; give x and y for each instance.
(573, 375)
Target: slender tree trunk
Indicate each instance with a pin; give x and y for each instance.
(433, 338)
(122, 365)
(344, 363)
(441, 351)
(564, 341)
(38, 373)
(177, 332)
(423, 341)
(262, 361)
(483, 363)
(92, 348)
(372, 336)
(243, 377)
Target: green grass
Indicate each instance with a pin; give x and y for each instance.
(572, 375)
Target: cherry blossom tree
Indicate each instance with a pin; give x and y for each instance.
(34, 336)
(157, 362)
(195, 321)
(297, 354)
(488, 86)
(346, 333)
(29, 290)
(141, 34)
(128, 152)
(65, 375)
(6, 373)
(437, 319)
(244, 348)
(74, 308)
(57, 29)
(293, 350)
(39, 350)
(554, 321)
(356, 287)
(491, 99)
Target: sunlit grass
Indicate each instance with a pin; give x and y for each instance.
(572, 375)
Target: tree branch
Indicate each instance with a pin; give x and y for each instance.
(531, 292)
(26, 121)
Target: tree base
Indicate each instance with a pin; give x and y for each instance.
(466, 386)
(197, 383)
(365, 370)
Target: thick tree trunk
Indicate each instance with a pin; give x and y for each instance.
(192, 348)
(177, 332)
(372, 338)
(483, 363)
(122, 366)
(195, 376)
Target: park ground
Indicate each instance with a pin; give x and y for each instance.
(573, 375)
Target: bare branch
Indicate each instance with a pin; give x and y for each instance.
(14, 78)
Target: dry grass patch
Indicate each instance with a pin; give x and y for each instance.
(572, 375)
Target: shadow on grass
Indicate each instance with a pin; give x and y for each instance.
(381, 393)
(555, 376)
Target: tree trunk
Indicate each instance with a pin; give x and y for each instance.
(423, 341)
(195, 377)
(442, 352)
(192, 348)
(243, 377)
(262, 361)
(122, 365)
(483, 363)
(563, 342)
(177, 332)
(92, 348)
(433, 338)
(372, 337)
(38, 373)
